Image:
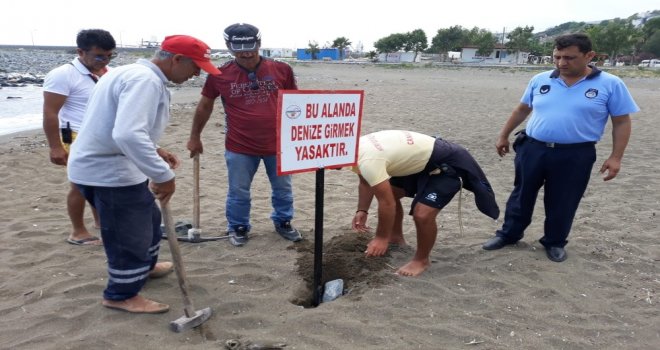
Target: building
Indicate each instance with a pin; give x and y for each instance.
(400, 57)
(500, 55)
(331, 54)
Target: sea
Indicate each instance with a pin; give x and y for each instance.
(20, 108)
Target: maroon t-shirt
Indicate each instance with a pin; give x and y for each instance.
(251, 114)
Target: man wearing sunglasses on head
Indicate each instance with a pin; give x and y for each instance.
(66, 91)
(248, 88)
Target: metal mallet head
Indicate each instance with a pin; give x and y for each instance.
(195, 234)
(184, 322)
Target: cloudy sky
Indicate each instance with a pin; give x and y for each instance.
(289, 23)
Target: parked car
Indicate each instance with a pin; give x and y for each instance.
(221, 55)
(653, 63)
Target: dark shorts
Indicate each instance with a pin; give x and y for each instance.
(438, 190)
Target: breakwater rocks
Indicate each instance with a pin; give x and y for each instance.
(21, 66)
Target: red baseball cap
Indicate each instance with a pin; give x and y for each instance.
(191, 47)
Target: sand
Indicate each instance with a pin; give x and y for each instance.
(603, 297)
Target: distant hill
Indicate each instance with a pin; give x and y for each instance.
(574, 27)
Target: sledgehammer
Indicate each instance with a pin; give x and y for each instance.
(195, 233)
(192, 317)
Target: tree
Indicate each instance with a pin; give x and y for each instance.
(650, 38)
(652, 44)
(483, 39)
(613, 37)
(341, 43)
(520, 39)
(485, 42)
(450, 39)
(539, 48)
(391, 43)
(313, 49)
(415, 41)
(651, 27)
(371, 55)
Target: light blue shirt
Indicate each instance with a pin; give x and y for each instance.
(576, 113)
(125, 117)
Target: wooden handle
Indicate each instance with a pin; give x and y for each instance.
(196, 191)
(176, 259)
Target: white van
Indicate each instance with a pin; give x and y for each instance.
(654, 63)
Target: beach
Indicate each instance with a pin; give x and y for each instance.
(605, 296)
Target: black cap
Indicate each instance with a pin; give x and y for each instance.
(242, 37)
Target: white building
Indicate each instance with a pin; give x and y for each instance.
(500, 55)
(397, 57)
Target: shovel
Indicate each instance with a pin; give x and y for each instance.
(192, 318)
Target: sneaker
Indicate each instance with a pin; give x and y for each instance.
(288, 232)
(239, 236)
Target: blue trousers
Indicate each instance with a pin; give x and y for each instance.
(130, 228)
(241, 169)
(564, 173)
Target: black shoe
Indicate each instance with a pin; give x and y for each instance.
(495, 243)
(287, 231)
(556, 254)
(239, 236)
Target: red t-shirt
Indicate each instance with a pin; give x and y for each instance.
(251, 114)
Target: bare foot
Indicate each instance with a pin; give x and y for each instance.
(413, 268)
(161, 269)
(137, 304)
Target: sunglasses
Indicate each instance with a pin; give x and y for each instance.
(254, 83)
(103, 58)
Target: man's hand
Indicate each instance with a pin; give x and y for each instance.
(502, 146)
(169, 157)
(163, 191)
(58, 155)
(195, 147)
(610, 168)
(359, 223)
(377, 247)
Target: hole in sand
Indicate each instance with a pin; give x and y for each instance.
(343, 257)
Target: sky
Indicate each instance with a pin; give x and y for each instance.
(289, 23)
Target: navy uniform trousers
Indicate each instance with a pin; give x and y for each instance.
(564, 171)
(130, 228)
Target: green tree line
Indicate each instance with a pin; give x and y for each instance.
(616, 38)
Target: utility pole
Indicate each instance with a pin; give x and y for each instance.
(503, 31)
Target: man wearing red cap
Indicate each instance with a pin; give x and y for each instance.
(119, 168)
(248, 88)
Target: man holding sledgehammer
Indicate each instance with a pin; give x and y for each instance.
(119, 168)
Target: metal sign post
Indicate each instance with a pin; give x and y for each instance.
(317, 130)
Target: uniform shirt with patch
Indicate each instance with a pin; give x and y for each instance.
(576, 113)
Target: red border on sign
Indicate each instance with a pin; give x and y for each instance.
(280, 98)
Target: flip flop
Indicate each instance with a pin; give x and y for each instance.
(85, 241)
